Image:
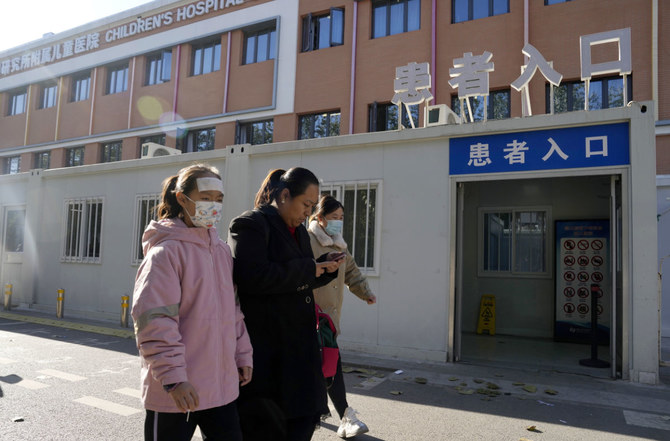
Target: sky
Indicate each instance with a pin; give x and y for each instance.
(28, 20)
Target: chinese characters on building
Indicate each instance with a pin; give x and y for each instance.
(470, 75)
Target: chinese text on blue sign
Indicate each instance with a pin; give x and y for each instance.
(575, 147)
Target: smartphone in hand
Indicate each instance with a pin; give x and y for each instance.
(335, 256)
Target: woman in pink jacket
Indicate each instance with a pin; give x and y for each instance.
(193, 343)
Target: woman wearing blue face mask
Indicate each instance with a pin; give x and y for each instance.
(325, 234)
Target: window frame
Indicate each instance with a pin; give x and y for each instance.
(456, 105)
(158, 138)
(386, 4)
(161, 64)
(186, 143)
(38, 159)
(76, 83)
(48, 95)
(76, 245)
(470, 3)
(338, 190)
(198, 59)
(329, 114)
(569, 94)
(111, 151)
(13, 102)
(311, 30)
(374, 113)
(69, 157)
(269, 29)
(8, 166)
(140, 222)
(511, 273)
(244, 131)
(112, 82)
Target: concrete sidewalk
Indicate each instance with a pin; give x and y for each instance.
(549, 384)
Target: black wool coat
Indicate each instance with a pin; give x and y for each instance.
(275, 275)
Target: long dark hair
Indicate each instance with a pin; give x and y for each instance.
(327, 204)
(296, 180)
(185, 182)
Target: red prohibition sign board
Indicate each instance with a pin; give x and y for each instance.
(597, 244)
(569, 260)
(583, 260)
(569, 291)
(569, 308)
(596, 260)
(569, 245)
(583, 276)
(597, 276)
(569, 276)
(583, 244)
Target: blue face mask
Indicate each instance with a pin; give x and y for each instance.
(334, 227)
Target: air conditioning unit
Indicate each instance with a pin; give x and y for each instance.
(153, 150)
(440, 114)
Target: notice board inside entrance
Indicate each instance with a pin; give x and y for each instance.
(582, 271)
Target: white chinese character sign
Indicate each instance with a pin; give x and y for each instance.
(470, 75)
(411, 87)
(535, 61)
(622, 65)
(575, 147)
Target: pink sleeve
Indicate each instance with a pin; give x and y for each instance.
(155, 312)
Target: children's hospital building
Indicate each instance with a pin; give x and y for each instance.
(504, 164)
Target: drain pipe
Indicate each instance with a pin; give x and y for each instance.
(654, 56)
(433, 48)
(352, 86)
(661, 362)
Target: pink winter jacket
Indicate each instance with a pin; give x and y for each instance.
(188, 325)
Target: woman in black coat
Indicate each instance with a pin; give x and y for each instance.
(275, 272)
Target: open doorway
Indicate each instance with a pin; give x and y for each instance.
(507, 248)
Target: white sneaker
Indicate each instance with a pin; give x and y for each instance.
(351, 426)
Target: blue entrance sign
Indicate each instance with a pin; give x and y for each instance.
(574, 147)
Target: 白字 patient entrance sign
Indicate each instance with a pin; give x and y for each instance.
(574, 147)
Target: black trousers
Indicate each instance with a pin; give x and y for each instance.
(216, 424)
(337, 392)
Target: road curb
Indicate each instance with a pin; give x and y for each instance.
(123, 333)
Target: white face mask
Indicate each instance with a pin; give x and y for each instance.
(334, 227)
(207, 213)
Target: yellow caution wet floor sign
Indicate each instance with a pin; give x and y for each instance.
(487, 314)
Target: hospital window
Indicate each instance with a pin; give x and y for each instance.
(111, 152)
(604, 93)
(260, 45)
(74, 156)
(323, 30)
(48, 95)
(515, 241)
(42, 160)
(384, 116)
(12, 165)
(14, 230)
(390, 17)
(497, 106)
(117, 78)
(81, 85)
(18, 100)
(360, 229)
(206, 57)
(466, 10)
(255, 133)
(319, 125)
(82, 236)
(158, 68)
(189, 141)
(158, 139)
(146, 206)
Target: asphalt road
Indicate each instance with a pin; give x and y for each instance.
(64, 384)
